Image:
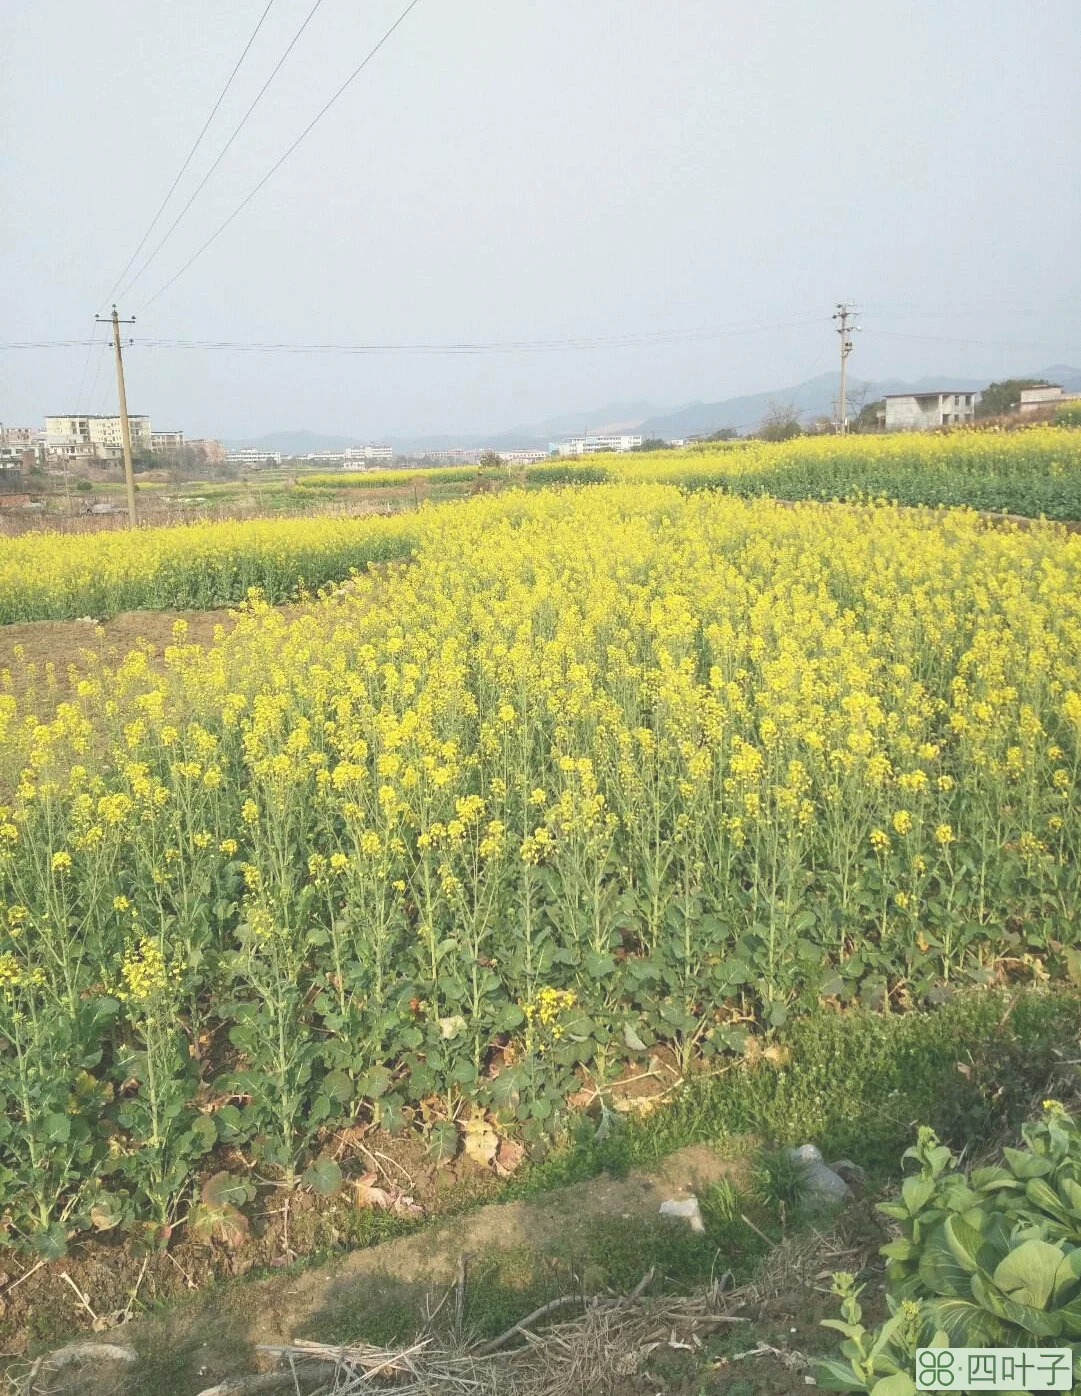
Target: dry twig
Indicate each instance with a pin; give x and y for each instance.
(594, 1352)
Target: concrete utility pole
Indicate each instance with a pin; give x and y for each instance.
(842, 315)
(125, 427)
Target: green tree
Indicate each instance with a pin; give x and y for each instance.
(870, 416)
(652, 443)
(999, 398)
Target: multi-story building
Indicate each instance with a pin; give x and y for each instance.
(522, 457)
(369, 453)
(18, 447)
(94, 437)
(166, 440)
(251, 455)
(923, 411)
(590, 445)
(471, 455)
(24, 437)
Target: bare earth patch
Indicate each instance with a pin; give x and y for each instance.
(211, 1335)
(59, 643)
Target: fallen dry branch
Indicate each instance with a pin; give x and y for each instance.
(592, 1353)
(530, 1319)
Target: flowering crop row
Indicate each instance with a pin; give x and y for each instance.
(49, 576)
(603, 772)
(1033, 472)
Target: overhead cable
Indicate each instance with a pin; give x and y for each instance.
(225, 148)
(188, 158)
(284, 156)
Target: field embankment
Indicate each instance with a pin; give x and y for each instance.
(854, 1081)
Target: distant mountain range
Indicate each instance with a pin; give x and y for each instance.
(816, 397)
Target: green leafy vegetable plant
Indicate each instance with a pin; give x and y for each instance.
(988, 1258)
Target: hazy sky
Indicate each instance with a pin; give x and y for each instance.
(536, 170)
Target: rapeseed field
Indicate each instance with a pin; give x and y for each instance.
(50, 576)
(600, 773)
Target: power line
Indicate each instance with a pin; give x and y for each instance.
(48, 343)
(222, 153)
(282, 159)
(624, 341)
(190, 155)
(644, 339)
(628, 340)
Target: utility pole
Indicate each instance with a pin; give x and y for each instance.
(842, 315)
(125, 427)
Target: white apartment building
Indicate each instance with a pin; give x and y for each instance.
(166, 440)
(922, 411)
(351, 456)
(249, 455)
(590, 445)
(522, 457)
(370, 453)
(98, 438)
(1050, 395)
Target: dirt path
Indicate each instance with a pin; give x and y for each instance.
(189, 1345)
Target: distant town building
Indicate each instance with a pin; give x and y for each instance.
(922, 411)
(18, 447)
(590, 445)
(166, 440)
(213, 452)
(250, 455)
(454, 455)
(1050, 395)
(94, 437)
(472, 455)
(24, 437)
(351, 455)
(522, 457)
(369, 453)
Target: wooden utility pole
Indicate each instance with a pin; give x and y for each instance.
(842, 315)
(125, 426)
